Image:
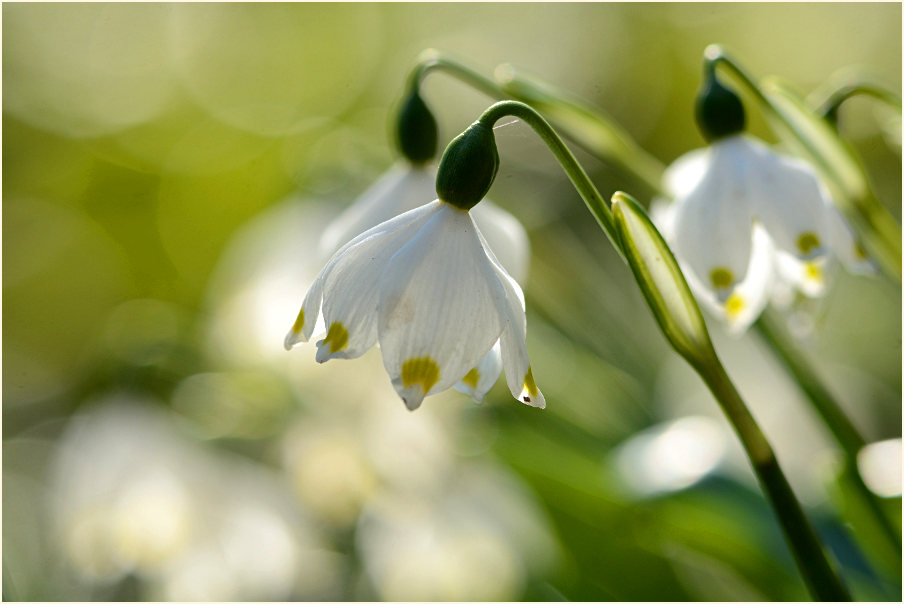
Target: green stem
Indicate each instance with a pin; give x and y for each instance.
(821, 578)
(573, 169)
(431, 60)
(714, 55)
(586, 125)
(829, 106)
(831, 413)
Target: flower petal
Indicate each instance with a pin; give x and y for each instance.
(478, 381)
(402, 188)
(351, 285)
(513, 343)
(789, 200)
(805, 276)
(713, 225)
(309, 315)
(505, 236)
(437, 306)
(685, 173)
(750, 297)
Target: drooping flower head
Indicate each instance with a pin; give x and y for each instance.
(426, 286)
(409, 184)
(745, 218)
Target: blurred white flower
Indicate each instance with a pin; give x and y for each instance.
(746, 221)
(426, 286)
(406, 186)
(133, 496)
(477, 539)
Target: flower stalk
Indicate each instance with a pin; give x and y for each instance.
(667, 294)
(824, 403)
(564, 156)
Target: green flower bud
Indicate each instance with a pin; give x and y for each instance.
(719, 111)
(468, 167)
(416, 130)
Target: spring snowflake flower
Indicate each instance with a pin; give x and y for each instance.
(746, 221)
(404, 187)
(428, 288)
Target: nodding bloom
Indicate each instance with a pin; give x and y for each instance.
(429, 290)
(745, 220)
(404, 187)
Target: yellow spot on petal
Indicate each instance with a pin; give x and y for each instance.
(530, 386)
(423, 371)
(336, 337)
(721, 278)
(734, 305)
(807, 242)
(860, 252)
(471, 378)
(299, 322)
(813, 272)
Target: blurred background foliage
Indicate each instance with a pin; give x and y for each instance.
(167, 170)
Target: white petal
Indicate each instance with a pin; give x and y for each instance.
(481, 378)
(845, 245)
(515, 360)
(402, 188)
(685, 173)
(750, 297)
(789, 200)
(437, 307)
(806, 276)
(713, 225)
(309, 315)
(505, 236)
(352, 284)
(662, 213)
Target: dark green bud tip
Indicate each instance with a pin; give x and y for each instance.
(718, 110)
(468, 167)
(416, 130)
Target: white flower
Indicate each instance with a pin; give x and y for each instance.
(744, 220)
(404, 187)
(426, 286)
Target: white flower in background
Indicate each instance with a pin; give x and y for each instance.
(428, 288)
(132, 495)
(406, 186)
(746, 221)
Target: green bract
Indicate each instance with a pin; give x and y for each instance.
(718, 110)
(468, 167)
(416, 130)
(661, 281)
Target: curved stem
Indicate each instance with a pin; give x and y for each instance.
(715, 55)
(575, 171)
(821, 578)
(431, 60)
(830, 104)
(584, 124)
